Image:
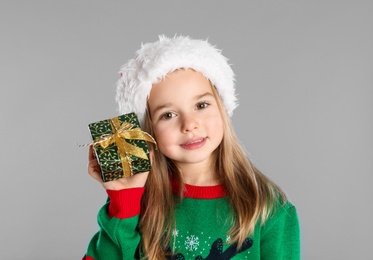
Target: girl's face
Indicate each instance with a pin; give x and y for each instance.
(186, 119)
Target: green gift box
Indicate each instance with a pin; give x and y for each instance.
(120, 146)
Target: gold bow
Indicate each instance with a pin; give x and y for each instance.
(121, 132)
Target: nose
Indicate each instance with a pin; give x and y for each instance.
(189, 123)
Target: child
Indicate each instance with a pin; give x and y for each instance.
(203, 198)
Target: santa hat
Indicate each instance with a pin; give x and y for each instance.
(155, 60)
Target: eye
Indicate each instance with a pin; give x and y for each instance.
(202, 105)
(167, 115)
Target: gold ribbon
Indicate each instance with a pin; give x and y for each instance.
(121, 132)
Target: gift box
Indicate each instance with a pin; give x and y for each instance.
(120, 146)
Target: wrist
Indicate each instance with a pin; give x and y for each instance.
(113, 185)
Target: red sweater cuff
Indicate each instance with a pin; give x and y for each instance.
(125, 203)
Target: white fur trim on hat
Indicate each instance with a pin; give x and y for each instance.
(155, 60)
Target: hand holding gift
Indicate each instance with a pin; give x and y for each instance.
(119, 150)
(137, 180)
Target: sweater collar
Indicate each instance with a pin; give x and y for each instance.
(199, 192)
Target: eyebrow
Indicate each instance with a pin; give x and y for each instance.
(203, 95)
(170, 104)
(160, 107)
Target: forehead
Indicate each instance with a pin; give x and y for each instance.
(185, 82)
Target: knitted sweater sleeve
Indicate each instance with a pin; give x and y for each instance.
(118, 237)
(280, 235)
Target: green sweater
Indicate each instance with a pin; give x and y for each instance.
(203, 220)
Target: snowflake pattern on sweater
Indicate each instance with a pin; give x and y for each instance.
(199, 244)
(216, 250)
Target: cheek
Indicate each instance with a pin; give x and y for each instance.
(216, 126)
(219, 122)
(163, 138)
(215, 121)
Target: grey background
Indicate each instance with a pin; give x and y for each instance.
(305, 84)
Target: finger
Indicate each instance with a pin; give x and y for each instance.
(94, 170)
(91, 153)
(93, 164)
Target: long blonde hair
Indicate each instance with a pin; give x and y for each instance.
(252, 195)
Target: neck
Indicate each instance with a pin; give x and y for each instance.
(199, 174)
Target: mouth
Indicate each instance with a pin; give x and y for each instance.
(194, 143)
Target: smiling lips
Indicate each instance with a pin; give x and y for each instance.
(194, 143)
